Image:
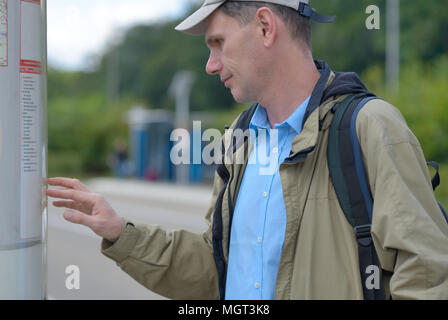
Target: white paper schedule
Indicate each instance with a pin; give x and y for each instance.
(31, 101)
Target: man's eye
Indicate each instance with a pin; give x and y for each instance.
(215, 43)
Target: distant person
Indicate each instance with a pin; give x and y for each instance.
(284, 235)
(118, 159)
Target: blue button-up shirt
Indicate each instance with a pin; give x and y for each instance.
(259, 220)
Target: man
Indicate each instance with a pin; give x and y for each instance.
(283, 235)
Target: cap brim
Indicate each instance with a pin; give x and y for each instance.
(195, 24)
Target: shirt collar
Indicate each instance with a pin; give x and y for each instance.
(260, 118)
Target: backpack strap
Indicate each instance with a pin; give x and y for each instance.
(347, 173)
(435, 181)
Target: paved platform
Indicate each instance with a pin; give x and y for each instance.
(168, 194)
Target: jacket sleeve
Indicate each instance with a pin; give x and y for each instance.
(177, 264)
(409, 230)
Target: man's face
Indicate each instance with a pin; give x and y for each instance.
(233, 55)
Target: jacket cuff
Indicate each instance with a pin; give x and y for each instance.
(122, 248)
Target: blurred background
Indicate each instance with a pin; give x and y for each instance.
(119, 74)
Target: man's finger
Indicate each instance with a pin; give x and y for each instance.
(77, 217)
(69, 204)
(67, 183)
(76, 195)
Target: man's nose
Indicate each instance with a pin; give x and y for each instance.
(214, 64)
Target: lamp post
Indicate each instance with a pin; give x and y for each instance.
(393, 44)
(180, 89)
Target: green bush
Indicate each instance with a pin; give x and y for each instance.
(81, 132)
(64, 163)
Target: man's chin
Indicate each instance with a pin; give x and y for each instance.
(238, 97)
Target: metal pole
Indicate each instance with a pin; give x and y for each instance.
(393, 44)
(180, 89)
(23, 149)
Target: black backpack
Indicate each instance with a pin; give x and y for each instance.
(348, 175)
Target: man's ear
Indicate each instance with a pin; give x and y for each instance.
(267, 25)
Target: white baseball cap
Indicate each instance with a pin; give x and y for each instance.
(195, 24)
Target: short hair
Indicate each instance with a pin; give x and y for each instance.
(298, 25)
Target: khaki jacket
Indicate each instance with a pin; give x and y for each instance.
(320, 257)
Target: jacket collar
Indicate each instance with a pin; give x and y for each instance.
(318, 91)
(306, 141)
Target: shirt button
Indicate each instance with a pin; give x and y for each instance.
(257, 285)
(265, 194)
(259, 239)
(275, 150)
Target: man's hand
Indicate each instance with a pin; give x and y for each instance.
(86, 208)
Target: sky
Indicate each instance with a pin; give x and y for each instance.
(78, 30)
